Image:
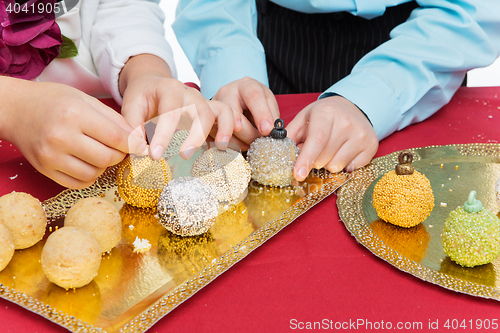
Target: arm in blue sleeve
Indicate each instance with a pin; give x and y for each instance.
(417, 71)
(220, 40)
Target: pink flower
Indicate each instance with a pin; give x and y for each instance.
(29, 40)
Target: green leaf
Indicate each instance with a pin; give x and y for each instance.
(68, 48)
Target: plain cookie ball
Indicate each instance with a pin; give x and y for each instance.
(99, 217)
(25, 218)
(6, 246)
(71, 257)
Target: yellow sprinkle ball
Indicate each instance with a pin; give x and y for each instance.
(141, 179)
(403, 200)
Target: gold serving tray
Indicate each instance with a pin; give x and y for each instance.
(453, 171)
(132, 291)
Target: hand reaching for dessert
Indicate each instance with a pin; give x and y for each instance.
(332, 133)
(64, 133)
(254, 109)
(149, 91)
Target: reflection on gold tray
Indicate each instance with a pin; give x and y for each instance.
(133, 291)
(453, 171)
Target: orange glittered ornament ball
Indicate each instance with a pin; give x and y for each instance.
(141, 179)
(403, 196)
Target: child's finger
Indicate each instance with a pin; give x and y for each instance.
(248, 132)
(225, 123)
(255, 99)
(202, 121)
(73, 172)
(114, 116)
(107, 132)
(165, 128)
(273, 104)
(297, 128)
(318, 136)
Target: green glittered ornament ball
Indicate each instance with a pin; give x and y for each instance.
(471, 234)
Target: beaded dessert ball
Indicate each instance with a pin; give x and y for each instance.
(226, 172)
(471, 234)
(141, 179)
(403, 196)
(272, 158)
(187, 206)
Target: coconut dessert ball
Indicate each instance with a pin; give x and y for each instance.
(141, 179)
(71, 257)
(25, 218)
(471, 234)
(6, 246)
(99, 217)
(272, 158)
(403, 196)
(225, 171)
(187, 206)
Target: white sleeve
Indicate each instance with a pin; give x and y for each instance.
(125, 28)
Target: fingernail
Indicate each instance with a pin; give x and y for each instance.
(334, 169)
(188, 152)
(349, 168)
(157, 152)
(222, 145)
(302, 173)
(264, 126)
(239, 124)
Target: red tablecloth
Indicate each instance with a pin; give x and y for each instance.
(313, 270)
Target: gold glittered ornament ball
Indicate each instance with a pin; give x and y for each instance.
(272, 158)
(141, 179)
(226, 172)
(403, 196)
(187, 206)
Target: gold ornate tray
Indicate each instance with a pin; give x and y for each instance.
(132, 291)
(453, 171)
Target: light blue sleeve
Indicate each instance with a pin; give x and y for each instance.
(220, 40)
(417, 71)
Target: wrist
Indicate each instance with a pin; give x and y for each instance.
(12, 94)
(140, 65)
(332, 94)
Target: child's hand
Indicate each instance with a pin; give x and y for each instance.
(332, 133)
(64, 133)
(149, 91)
(254, 105)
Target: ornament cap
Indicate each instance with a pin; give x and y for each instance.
(405, 167)
(278, 132)
(472, 205)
